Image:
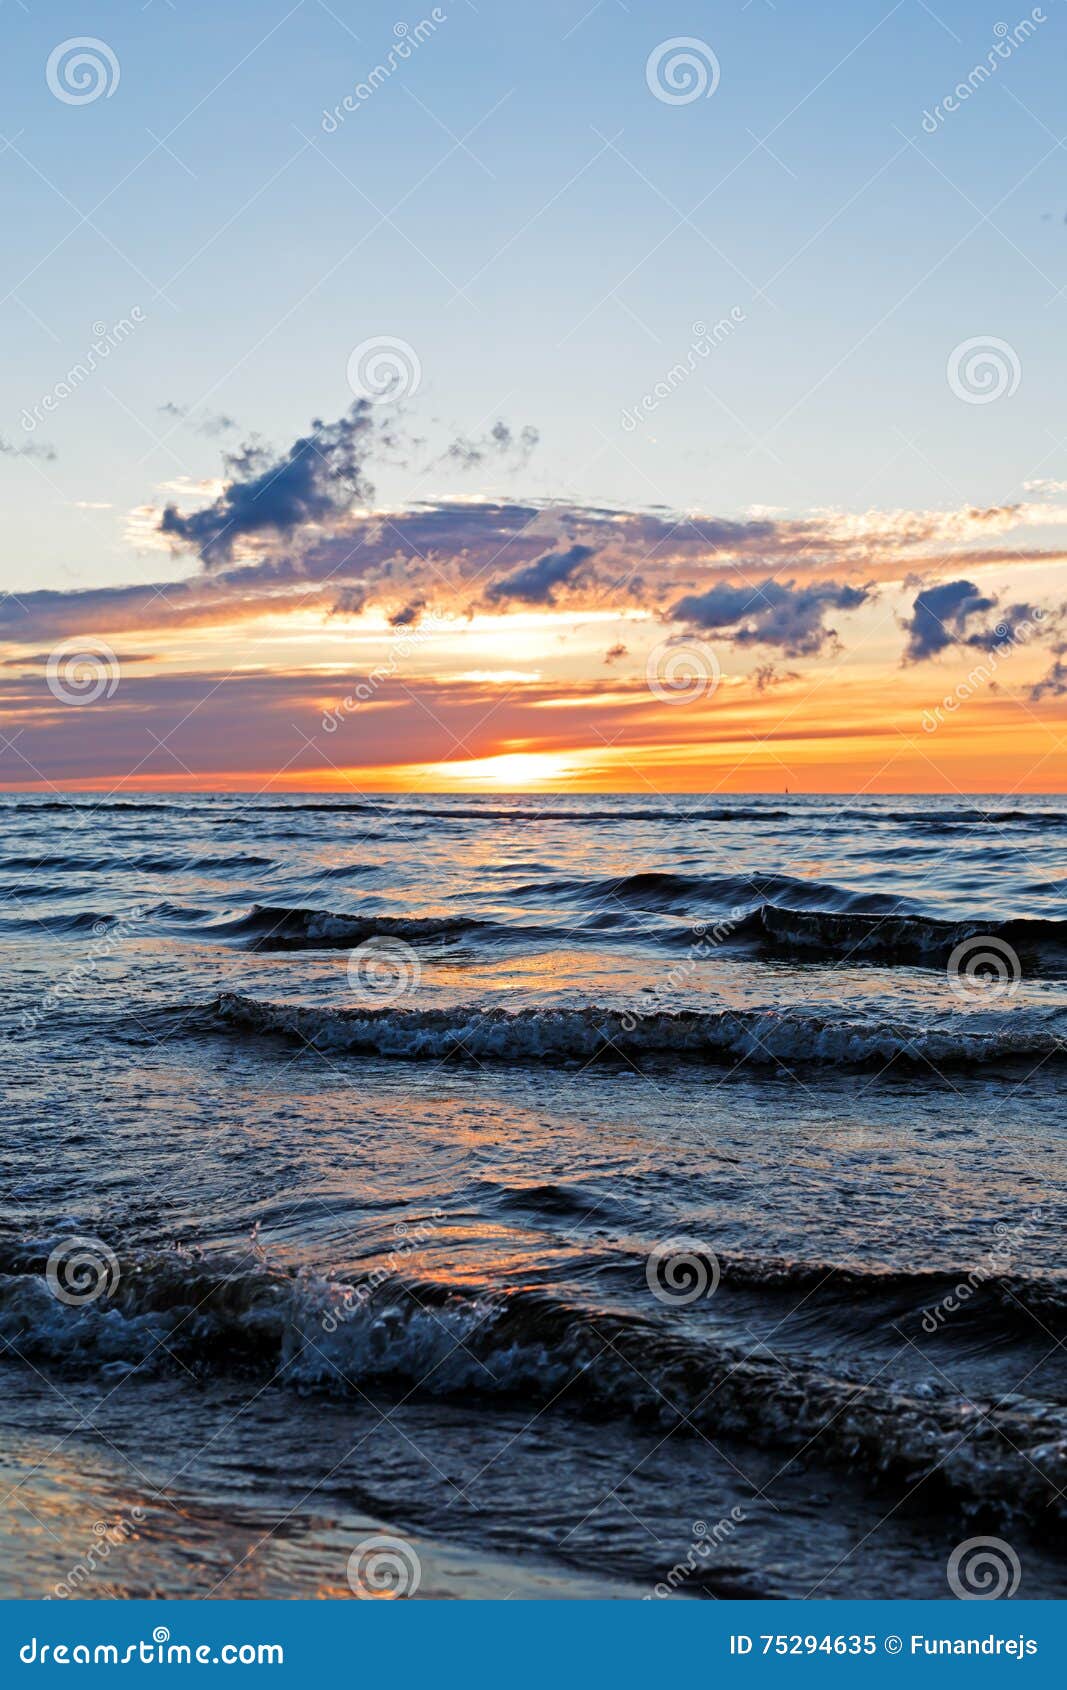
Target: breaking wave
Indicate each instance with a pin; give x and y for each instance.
(319, 1333)
(892, 937)
(283, 927)
(769, 1037)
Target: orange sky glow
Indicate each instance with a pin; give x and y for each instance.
(686, 667)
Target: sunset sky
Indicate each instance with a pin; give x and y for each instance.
(528, 423)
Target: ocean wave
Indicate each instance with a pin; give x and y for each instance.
(96, 922)
(233, 859)
(657, 889)
(881, 932)
(288, 927)
(278, 927)
(945, 819)
(144, 863)
(802, 815)
(893, 937)
(313, 1332)
(790, 1038)
(68, 861)
(550, 808)
(86, 804)
(525, 813)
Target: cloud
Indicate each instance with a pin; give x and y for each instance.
(1014, 624)
(771, 613)
(614, 652)
(318, 477)
(41, 659)
(1054, 684)
(31, 450)
(536, 583)
(214, 724)
(766, 675)
(943, 614)
(351, 602)
(281, 536)
(409, 615)
(939, 617)
(209, 423)
(265, 727)
(500, 442)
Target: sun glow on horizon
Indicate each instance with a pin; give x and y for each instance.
(514, 770)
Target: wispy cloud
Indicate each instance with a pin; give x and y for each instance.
(211, 424)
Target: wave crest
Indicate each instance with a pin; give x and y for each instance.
(760, 1037)
(315, 1332)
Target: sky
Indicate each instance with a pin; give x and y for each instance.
(580, 397)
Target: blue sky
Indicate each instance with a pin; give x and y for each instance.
(549, 270)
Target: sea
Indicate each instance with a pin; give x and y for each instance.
(533, 1195)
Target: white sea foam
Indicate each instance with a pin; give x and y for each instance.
(767, 1036)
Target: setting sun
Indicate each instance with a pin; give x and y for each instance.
(514, 771)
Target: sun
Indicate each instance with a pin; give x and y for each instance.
(515, 770)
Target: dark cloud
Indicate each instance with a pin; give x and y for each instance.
(766, 675)
(410, 614)
(501, 442)
(939, 617)
(352, 602)
(771, 613)
(318, 477)
(447, 551)
(944, 615)
(1054, 684)
(614, 652)
(1014, 625)
(536, 583)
